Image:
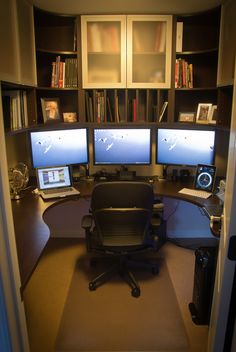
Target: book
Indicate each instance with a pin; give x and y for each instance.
(15, 109)
(109, 110)
(88, 118)
(134, 105)
(163, 109)
(179, 37)
(117, 114)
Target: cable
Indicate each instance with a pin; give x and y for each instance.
(176, 207)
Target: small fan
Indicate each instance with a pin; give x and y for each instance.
(18, 177)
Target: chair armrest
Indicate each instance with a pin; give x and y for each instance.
(158, 207)
(87, 222)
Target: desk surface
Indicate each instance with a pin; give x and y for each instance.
(32, 233)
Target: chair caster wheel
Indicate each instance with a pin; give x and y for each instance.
(155, 270)
(135, 292)
(92, 286)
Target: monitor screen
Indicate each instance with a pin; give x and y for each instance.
(122, 146)
(185, 147)
(59, 147)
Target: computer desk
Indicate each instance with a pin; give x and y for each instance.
(32, 233)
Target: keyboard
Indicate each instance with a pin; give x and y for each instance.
(59, 190)
(195, 193)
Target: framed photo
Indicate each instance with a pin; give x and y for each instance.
(69, 117)
(203, 112)
(186, 116)
(50, 109)
(213, 115)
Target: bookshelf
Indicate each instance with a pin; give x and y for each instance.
(58, 58)
(129, 99)
(19, 107)
(198, 59)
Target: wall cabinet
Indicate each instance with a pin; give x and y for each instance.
(103, 51)
(149, 45)
(144, 62)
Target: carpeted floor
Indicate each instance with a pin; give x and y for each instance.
(49, 290)
(110, 319)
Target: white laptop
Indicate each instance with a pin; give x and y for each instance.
(55, 182)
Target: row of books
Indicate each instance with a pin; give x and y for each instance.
(15, 109)
(183, 74)
(103, 110)
(64, 73)
(103, 38)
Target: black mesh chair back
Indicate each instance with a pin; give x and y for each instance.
(122, 212)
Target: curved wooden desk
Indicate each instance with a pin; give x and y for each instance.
(32, 233)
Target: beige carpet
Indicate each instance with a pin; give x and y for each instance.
(110, 319)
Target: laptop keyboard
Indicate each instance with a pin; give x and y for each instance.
(195, 193)
(59, 190)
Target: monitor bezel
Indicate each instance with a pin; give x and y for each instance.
(122, 128)
(58, 129)
(187, 129)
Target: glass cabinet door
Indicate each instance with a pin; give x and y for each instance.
(149, 42)
(103, 51)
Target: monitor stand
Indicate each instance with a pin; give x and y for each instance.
(164, 173)
(125, 175)
(81, 172)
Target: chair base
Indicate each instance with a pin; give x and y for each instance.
(122, 267)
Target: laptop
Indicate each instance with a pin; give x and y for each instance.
(55, 182)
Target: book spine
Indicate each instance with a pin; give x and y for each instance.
(179, 37)
(61, 75)
(53, 74)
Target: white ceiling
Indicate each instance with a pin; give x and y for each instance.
(125, 6)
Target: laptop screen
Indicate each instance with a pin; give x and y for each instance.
(53, 177)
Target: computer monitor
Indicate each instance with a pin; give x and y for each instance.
(122, 146)
(59, 147)
(184, 146)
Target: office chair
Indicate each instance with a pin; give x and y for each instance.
(120, 226)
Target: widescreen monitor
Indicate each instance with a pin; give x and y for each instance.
(59, 147)
(184, 146)
(122, 146)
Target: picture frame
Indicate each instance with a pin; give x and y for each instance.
(213, 115)
(203, 112)
(70, 117)
(186, 116)
(51, 109)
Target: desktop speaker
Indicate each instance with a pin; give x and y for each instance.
(184, 175)
(204, 277)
